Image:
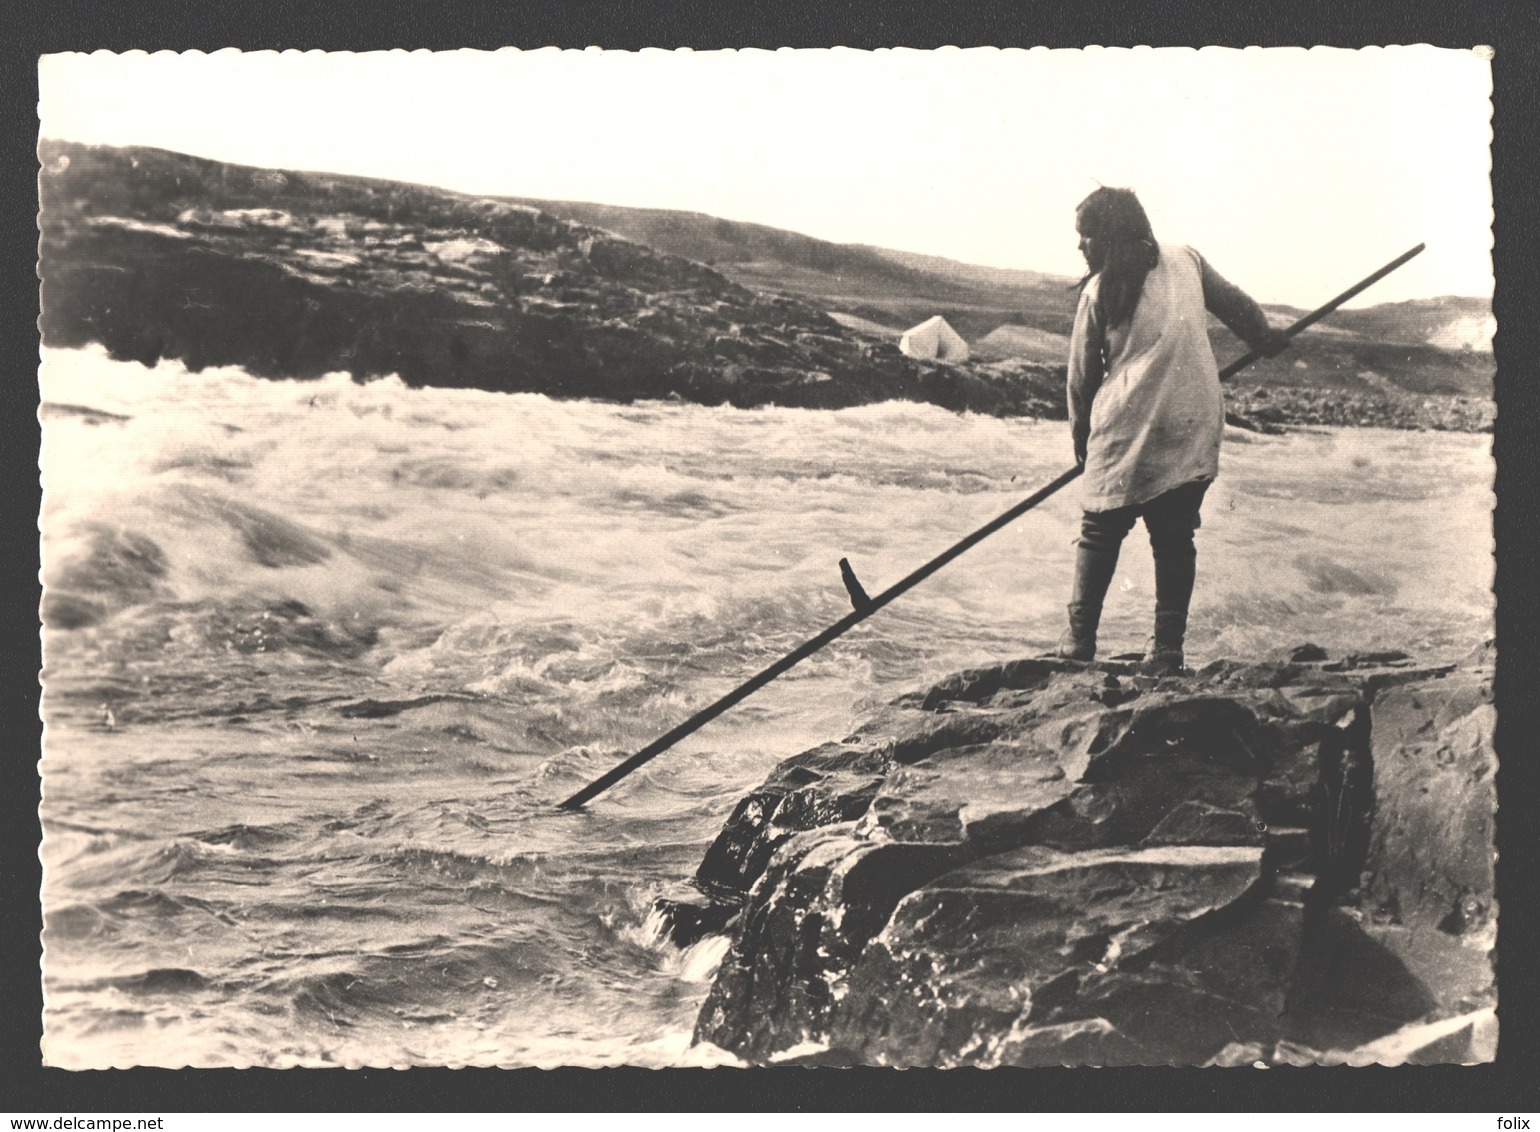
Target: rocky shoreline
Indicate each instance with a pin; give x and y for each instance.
(1269, 408)
(1048, 863)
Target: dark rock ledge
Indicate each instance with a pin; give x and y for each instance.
(1046, 863)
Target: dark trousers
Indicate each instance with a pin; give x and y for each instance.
(1170, 520)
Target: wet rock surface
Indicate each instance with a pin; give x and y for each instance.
(1428, 880)
(1045, 862)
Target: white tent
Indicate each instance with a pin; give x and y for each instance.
(934, 340)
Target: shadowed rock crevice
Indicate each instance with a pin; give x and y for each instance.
(1050, 863)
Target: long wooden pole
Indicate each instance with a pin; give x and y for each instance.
(809, 647)
(1322, 311)
(851, 620)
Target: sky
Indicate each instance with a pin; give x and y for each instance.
(1296, 172)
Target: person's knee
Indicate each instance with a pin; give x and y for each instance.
(1100, 541)
(1173, 541)
(1104, 530)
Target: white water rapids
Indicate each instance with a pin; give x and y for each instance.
(337, 649)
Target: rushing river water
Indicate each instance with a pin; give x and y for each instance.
(323, 656)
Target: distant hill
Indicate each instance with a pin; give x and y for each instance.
(1430, 346)
(1450, 322)
(1012, 341)
(293, 274)
(885, 286)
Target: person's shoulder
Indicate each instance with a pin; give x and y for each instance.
(1181, 257)
(1181, 251)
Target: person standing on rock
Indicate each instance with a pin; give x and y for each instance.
(1146, 411)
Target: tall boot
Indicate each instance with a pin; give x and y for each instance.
(1163, 655)
(1176, 563)
(1094, 568)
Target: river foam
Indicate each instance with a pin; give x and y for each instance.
(322, 656)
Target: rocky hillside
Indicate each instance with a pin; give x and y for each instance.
(1045, 863)
(891, 288)
(160, 255)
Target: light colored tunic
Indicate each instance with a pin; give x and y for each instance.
(1147, 391)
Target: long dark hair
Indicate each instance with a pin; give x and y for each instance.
(1116, 219)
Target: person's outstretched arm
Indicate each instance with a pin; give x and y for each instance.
(1240, 312)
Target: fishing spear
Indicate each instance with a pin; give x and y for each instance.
(865, 606)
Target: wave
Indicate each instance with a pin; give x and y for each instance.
(156, 867)
(1324, 575)
(53, 410)
(74, 922)
(110, 916)
(115, 568)
(270, 540)
(155, 981)
(697, 963)
(245, 838)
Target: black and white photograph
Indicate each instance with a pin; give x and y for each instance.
(893, 558)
